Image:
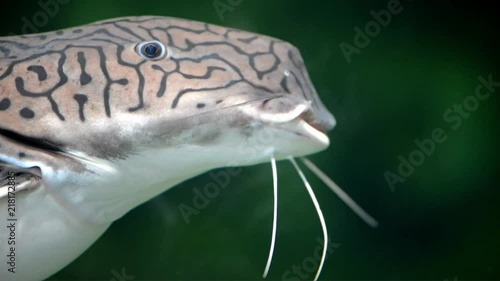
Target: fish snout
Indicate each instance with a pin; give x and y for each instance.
(286, 108)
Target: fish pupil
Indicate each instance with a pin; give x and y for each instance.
(151, 51)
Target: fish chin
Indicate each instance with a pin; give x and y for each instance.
(297, 138)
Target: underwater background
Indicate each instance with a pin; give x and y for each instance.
(405, 82)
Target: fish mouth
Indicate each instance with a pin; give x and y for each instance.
(313, 126)
(297, 116)
(322, 125)
(305, 129)
(300, 126)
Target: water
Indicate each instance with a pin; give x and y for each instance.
(440, 223)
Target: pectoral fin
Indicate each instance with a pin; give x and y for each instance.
(44, 226)
(15, 179)
(23, 162)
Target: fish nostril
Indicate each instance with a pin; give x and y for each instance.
(284, 82)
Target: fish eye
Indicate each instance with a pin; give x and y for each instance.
(152, 50)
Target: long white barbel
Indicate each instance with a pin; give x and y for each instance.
(275, 216)
(340, 193)
(320, 215)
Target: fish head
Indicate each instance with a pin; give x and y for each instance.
(242, 95)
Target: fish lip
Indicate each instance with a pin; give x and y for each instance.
(314, 120)
(303, 118)
(308, 123)
(304, 128)
(320, 119)
(314, 124)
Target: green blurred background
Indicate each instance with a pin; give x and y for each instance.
(441, 223)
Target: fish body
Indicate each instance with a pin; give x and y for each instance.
(97, 119)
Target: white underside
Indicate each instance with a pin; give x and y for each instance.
(47, 238)
(59, 221)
